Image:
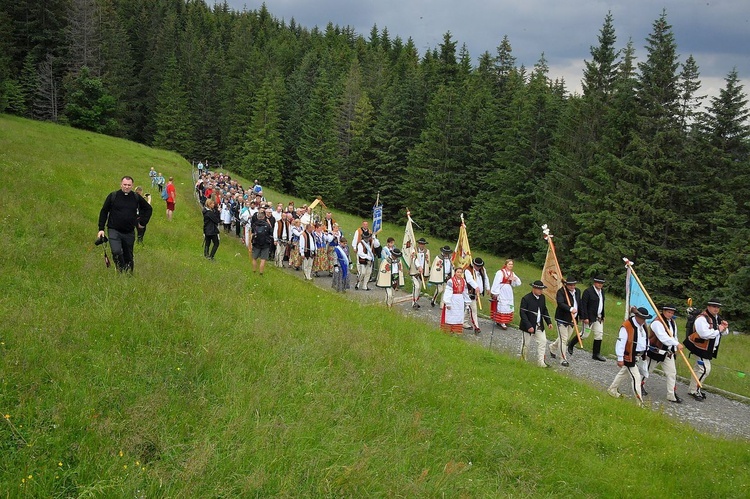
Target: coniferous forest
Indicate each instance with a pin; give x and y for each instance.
(641, 165)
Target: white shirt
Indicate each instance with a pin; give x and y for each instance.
(658, 329)
(622, 339)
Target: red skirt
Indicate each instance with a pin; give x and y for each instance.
(450, 328)
(498, 317)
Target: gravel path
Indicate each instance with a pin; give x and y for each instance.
(721, 414)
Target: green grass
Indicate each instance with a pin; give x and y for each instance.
(193, 379)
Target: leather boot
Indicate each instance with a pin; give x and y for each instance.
(597, 349)
(571, 343)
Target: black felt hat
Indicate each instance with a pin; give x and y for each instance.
(538, 285)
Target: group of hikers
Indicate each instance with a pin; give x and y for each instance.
(297, 238)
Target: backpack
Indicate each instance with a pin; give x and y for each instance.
(693, 314)
(164, 194)
(262, 234)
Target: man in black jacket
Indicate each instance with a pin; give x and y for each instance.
(592, 316)
(568, 302)
(533, 316)
(122, 211)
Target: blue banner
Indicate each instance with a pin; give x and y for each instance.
(377, 218)
(637, 296)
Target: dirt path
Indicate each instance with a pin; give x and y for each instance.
(718, 415)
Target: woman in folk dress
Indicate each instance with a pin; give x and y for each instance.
(455, 298)
(502, 306)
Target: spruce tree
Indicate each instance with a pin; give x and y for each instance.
(319, 163)
(89, 106)
(662, 221)
(174, 131)
(434, 165)
(263, 146)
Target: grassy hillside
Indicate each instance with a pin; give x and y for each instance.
(199, 379)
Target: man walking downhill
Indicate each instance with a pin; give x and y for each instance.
(122, 211)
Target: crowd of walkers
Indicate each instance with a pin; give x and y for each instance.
(310, 241)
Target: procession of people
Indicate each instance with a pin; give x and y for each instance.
(315, 245)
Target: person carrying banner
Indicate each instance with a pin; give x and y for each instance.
(591, 312)
(454, 302)
(390, 274)
(418, 270)
(662, 348)
(340, 280)
(565, 316)
(478, 282)
(440, 272)
(502, 294)
(703, 342)
(534, 315)
(632, 342)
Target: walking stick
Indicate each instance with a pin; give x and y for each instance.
(628, 263)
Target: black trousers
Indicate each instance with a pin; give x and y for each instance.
(207, 243)
(122, 249)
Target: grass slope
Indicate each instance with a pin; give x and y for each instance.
(193, 379)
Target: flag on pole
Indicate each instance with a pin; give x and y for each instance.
(550, 276)
(377, 215)
(462, 255)
(409, 244)
(635, 295)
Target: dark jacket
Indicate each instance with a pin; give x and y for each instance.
(122, 212)
(590, 304)
(211, 221)
(562, 314)
(530, 305)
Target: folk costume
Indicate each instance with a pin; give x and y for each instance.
(703, 342)
(365, 256)
(565, 316)
(662, 349)
(501, 309)
(296, 257)
(454, 302)
(440, 272)
(591, 313)
(390, 275)
(632, 343)
(534, 316)
(478, 282)
(322, 261)
(341, 267)
(307, 252)
(281, 234)
(335, 234)
(419, 270)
